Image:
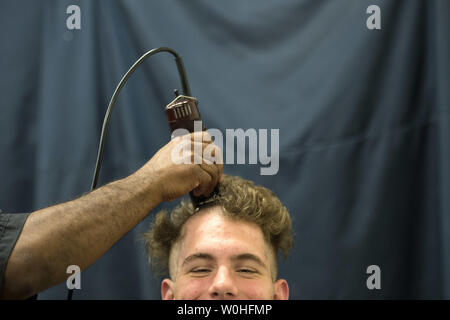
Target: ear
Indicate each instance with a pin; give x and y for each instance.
(167, 290)
(281, 290)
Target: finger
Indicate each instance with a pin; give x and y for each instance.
(219, 168)
(204, 181)
(185, 150)
(214, 154)
(193, 157)
(208, 163)
(213, 171)
(201, 136)
(208, 151)
(219, 163)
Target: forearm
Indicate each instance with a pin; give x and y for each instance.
(80, 231)
(77, 232)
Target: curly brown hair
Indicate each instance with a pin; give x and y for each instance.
(240, 200)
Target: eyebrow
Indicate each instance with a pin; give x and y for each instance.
(239, 257)
(195, 256)
(249, 256)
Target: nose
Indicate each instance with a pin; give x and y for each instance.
(223, 286)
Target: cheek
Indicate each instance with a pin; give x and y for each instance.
(191, 289)
(256, 290)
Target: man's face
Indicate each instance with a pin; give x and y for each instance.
(219, 258)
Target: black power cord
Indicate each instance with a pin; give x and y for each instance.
(186, 91)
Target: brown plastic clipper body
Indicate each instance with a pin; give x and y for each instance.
(181, 113)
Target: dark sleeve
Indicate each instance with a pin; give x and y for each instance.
(10, 228)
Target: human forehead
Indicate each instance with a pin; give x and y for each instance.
(211, 231)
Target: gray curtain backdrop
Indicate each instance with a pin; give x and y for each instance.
(363, 118)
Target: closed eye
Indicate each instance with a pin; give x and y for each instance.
(200, 270)
(247, 271)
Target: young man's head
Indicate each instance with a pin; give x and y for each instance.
(227, 250)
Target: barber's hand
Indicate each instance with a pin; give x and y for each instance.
(171, 180)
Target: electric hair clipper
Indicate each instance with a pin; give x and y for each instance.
(181, 113)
